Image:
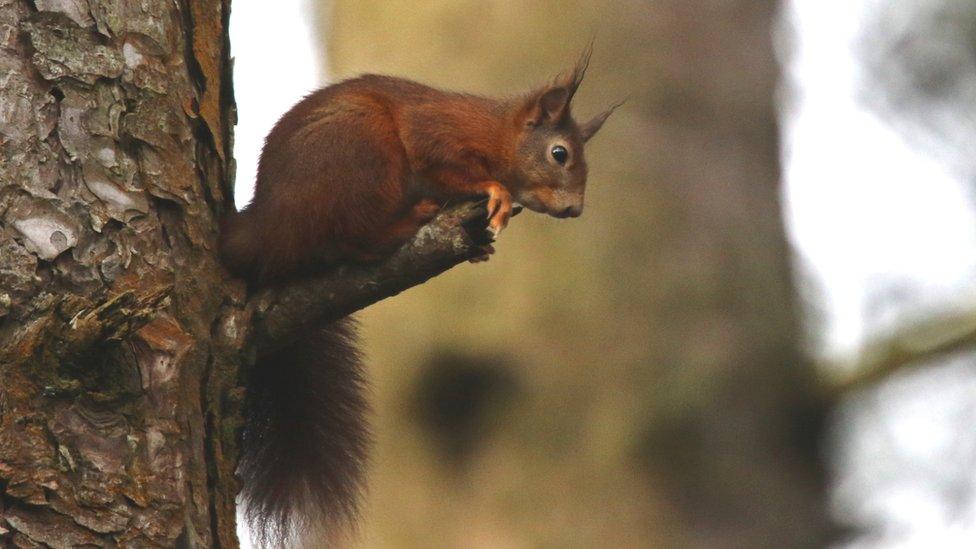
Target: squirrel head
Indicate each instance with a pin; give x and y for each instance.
(549, 169)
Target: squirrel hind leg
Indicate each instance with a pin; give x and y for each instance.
(237, 244)
(402, 229)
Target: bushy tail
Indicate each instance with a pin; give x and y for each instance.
(305, 438)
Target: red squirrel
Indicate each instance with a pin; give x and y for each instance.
(349, 174)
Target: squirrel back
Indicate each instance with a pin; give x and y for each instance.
(349, 174)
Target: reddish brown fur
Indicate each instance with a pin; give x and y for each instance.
(354, 169)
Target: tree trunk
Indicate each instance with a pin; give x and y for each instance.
(118, 353)
(738, 445)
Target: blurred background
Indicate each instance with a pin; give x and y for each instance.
(761, 332)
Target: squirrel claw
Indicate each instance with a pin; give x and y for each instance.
(486, 252)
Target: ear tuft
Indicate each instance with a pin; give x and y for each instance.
(590, 128)
(572, 80)
(551, 104)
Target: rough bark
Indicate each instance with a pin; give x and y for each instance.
(118, 396)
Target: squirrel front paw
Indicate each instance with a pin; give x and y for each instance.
(499, 208)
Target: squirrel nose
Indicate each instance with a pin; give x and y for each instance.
(572, 211)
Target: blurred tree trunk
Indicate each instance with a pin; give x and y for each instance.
(738, 446)
(117, 326)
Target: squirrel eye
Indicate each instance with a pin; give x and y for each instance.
(560, 154)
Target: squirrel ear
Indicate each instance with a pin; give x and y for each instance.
(552, 105)
(590, 128)
(547, 106)
(572, 80)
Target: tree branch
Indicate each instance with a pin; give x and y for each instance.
(456, 235)
(914, 346)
